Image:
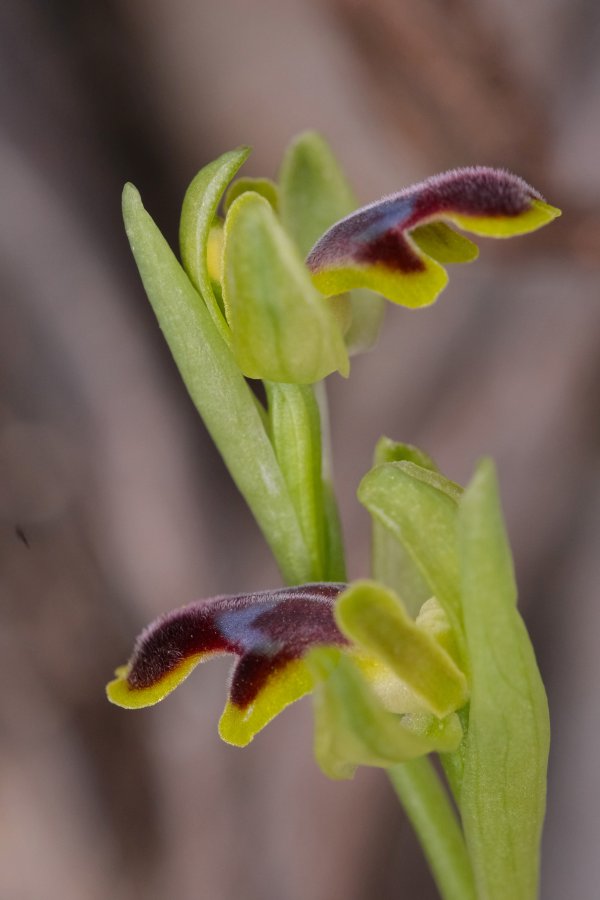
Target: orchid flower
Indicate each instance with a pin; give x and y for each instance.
(274, 634)
(269, 631)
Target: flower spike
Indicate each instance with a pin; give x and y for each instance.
(395, 246)
(269, 631)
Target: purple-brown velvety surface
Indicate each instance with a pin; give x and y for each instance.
(266, 629)
(375, 233)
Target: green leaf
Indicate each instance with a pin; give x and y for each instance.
(504, 780)
(419, 507)
(313, 189)
(376, 621)
(263, 186)
(218, 389)
(352, 727)
(197, 214)
(282, 330)
(296, 435)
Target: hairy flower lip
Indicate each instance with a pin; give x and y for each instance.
(398, 246)
(266, 630)
(469, 191)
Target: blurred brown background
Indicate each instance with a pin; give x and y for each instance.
(115, 507)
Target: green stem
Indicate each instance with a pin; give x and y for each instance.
(334, 539)
(296, 437)
(429, 809)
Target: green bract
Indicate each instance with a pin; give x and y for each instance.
(502, 796)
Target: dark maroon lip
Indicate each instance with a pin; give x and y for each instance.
(375, 233)
(264, 629)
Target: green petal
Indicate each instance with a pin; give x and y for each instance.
(504, 779)
(444, 244)
(352, 727)
(263, 186)
(197, 214)
(376, 621)
(281, 328)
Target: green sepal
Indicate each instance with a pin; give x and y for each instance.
(263, 186)
(295, 428)
(391, 563)
(432, 618)
(445, 733)
(282, 330)
(352, 727)
(197, 216)
(314, 192)
(374, 619)
(218, 389)
(502, 799)
(387, 450)
(367, 312)
(419, 507)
